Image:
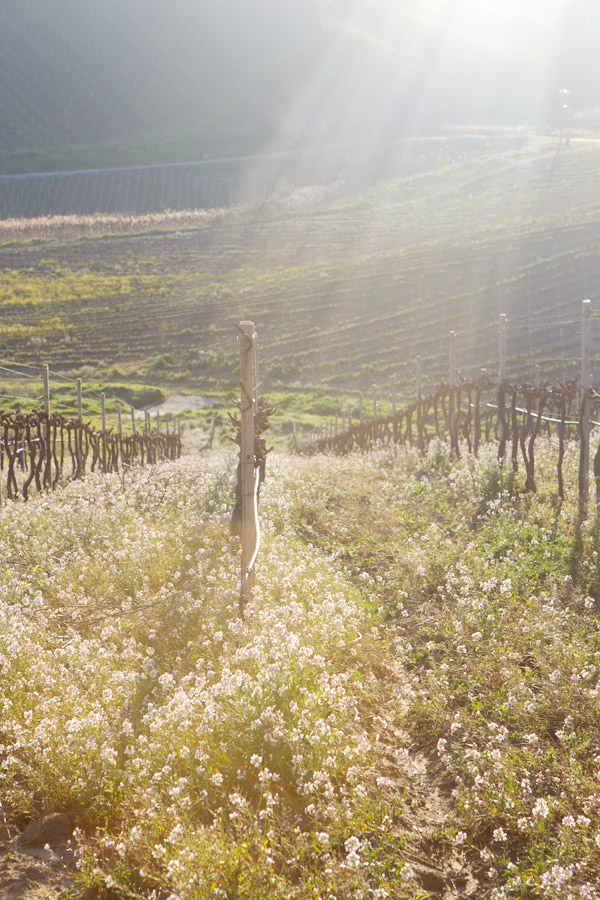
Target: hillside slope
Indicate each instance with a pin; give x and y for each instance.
(115, 83)
(343, 293)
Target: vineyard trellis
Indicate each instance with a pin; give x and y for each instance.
(39, 449)
(469, 411)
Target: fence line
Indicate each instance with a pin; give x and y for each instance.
(36, 447)
(456, 410)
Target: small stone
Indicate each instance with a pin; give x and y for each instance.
(433, 882)
(53, 829)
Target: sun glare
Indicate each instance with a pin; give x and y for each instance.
(388, 69)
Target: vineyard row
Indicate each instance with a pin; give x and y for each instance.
(468, 412)
(39, 448)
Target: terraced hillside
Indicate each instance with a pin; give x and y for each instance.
(344, 293)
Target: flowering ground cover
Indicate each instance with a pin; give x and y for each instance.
(490, 599)
(408, 709)
(198, 755)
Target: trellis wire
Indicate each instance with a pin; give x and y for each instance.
(449, 412)
(35, 446)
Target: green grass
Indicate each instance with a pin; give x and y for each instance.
(133, 152)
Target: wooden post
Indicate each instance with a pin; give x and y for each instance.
(247, 457)
(374, 401)
(79, 400)
(47, 430)
(419, 409)
(502, 348)
(584, 408)
(452, 359)
(361, 408)
(157, 422)
(393, 396)
(537, 378)
(146, 421)
(504, 429)
(46, 379)
(168, 423)
(586, 318)
(255, 373)
(132, 420)
(119, 421)
(452, 412)
(103, 409)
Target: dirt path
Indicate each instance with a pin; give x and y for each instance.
(178, 403)
(428, 817)
(429, 814)
(40, 862)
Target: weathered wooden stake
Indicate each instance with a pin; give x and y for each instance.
(452, 410)
(584, 408)
(46, 378)
(247, 457)
(79, 400)
(103, 409)
(119, 421)
(47, 429)
(452, 358)
(502, 348)
(132, 420)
